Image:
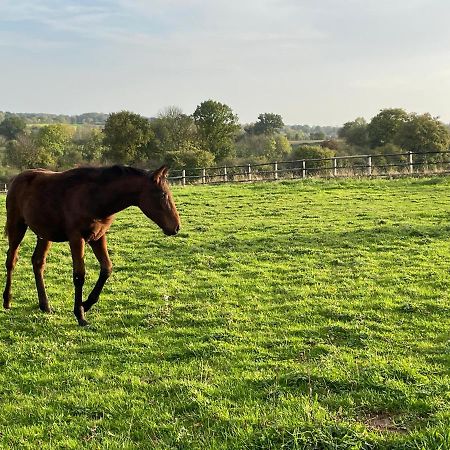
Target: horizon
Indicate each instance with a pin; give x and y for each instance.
(313, 64)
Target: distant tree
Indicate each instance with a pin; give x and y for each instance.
(383, 128)
(217, 126)
(189, 157)
(355, 132)
(55, 139)
(24, 152)
(12, 126)
(173, 130)
(332, 144)
(268, 123)
(282, 148)
(423, 133)
(72, 157)
(313, 152)
(92, 148)
(262, 148)
(317, 135)
(126, 136)
(389, 154)
(254, 146)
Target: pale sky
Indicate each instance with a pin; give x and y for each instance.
(312, 61)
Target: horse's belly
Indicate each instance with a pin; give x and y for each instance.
(48, 234)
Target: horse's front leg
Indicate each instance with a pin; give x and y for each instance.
(38, 260)
(101, 253)
(77, 250)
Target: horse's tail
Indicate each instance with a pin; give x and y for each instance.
(5, 231)
(8, 200)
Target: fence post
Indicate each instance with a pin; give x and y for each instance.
(183, 177)
(303, 169)
(369, 165)
(334, 167)
(225, 175)
(411, 164)
(203, 176)
(249, 172)
(275, 170)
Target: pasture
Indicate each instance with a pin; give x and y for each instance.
(293, 315)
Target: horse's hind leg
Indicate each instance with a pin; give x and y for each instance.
(101, 253)
(15, 234)
(38, 260)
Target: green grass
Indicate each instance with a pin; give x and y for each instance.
(309, 315)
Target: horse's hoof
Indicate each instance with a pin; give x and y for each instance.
(46, 309)
(7, 307)
(83, 322)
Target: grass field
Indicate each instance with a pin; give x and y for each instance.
(290, 315)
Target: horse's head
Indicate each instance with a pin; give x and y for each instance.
(156, 202)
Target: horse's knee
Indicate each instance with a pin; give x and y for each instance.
(38, 263)
(11, 260)
(105, 271)
(78, 278)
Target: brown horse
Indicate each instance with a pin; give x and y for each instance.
(79, 206)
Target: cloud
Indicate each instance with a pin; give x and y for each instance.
(300, 55)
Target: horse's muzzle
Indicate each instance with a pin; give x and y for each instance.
(172, 232)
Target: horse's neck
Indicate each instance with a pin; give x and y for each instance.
(119, 195)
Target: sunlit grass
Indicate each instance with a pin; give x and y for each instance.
(285, 315)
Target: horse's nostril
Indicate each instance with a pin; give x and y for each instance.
(177, 228)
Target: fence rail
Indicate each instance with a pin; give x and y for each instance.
(408, 163)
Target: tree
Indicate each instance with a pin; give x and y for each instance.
(12, 126)
(55, 139)
(216, 126)
(423, 133)
(383, 128)
(25, 153)
(173, 131)
(268, 123)
(355, 132)
(282, 148)
(126, 136)
(189, 157)
(313, 152)
(332, 144)
(250, 146)
(317, 135)
(92, 149)
(392, 154)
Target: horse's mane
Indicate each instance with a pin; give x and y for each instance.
(103, 174)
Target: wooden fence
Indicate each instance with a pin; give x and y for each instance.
(408, 163)
(395, 164)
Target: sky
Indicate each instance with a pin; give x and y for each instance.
(319, 62)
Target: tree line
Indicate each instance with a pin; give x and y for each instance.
(211, 135)
(394, 131)
(93, 118)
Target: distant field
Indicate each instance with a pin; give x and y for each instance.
(290, 315)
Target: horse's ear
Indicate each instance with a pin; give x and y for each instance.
(159, 174)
